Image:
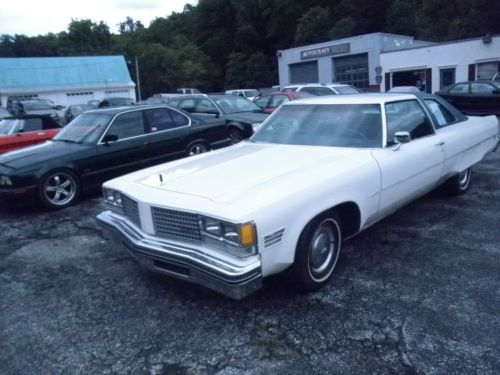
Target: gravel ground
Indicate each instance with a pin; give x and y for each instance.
(418, 293)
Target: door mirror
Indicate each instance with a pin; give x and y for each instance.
(402, 137)
(109, 138)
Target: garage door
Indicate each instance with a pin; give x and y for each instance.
(304, 72)
(352, 70)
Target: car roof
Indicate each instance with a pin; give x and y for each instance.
(117, 110)
(375, 98)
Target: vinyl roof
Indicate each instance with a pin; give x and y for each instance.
(30, 74)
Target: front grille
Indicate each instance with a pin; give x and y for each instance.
(131, 210)
(176, 224)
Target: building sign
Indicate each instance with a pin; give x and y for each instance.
(326, 51)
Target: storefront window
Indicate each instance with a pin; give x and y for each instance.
(487, 70)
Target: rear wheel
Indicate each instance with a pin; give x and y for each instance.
(235, 135)
(459, 184)
(317, 252)
(59, 189)
(197, 148)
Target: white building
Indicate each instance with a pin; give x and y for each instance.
(351, 60)
(65, 80)
(433, 67)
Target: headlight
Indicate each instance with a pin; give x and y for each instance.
(5, 181)
(256, 126)
(237, 239)
(113, 199)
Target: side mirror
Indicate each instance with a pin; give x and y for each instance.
(402, 137)
(109, 138)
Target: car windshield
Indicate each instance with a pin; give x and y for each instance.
(346, 90)
(236, 104)
(334, 125)
(9, 126)
(86, 128)
(38, 105)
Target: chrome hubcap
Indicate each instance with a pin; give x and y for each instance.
(323, 248)
(60, 189)
(463, 178)
(235, 136)
(197, 149)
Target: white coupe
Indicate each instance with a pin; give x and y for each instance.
(317, 172)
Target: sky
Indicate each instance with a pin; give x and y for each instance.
(35, 17)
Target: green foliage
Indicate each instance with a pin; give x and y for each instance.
(218, 44)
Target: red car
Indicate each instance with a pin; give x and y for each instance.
(22, 131)
(269, 103)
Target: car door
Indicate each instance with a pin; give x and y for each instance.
(482, 99)
(410, 169)
(127, 152)
(30, 133)
(168, 133)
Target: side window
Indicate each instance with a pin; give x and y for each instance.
(32, 125)
(461, 88)
(321, 91)
(407, 116)
(442, 115)
(206, 106)
(179, 118)
(127, 125)
(174, 103)
(49, 124)
(159, 119)
(188, 105)
(481, 88)
(278, 100)
(310, 90)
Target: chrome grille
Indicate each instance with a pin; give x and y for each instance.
(131, 210)
(176, 224)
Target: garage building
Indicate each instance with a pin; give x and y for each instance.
(351, 60)
(433, 67)
(65, 80)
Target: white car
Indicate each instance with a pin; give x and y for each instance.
(317, 172)
(249, 94)
(321, 89)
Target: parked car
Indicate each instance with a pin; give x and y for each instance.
(317, 172)
(4, 113)
(474, 97)
(269, 103)
(241, 115)
(321, 89)
(115, 102)
(35, 107)
(94, 103)
(22, 131)
(75, 110)
(102, 144)
(249, 94)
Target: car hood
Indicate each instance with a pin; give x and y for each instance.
(243, 170)
(247, 117)
(39, 154)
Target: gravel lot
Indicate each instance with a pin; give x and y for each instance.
(418, 293)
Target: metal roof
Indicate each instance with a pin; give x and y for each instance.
(18, 75)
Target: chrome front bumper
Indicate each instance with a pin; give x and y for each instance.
(235, 279)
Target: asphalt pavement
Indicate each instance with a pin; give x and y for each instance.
(418, 293)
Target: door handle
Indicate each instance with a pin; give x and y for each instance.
(440, 144)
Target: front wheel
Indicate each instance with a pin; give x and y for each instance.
(317, 252)
(459, 184)
(235, 136)
(58, 189)
(197, 148)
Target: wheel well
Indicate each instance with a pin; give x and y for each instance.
(350, 218)
(235, 126)
(198, 141)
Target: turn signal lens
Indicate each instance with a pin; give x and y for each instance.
(247, 235)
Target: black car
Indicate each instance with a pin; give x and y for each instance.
(474, 98)
(239, 113)
(102, 144)
(115, 102)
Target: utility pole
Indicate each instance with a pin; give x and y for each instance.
(138, 78)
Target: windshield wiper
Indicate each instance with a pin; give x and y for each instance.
(66, 140)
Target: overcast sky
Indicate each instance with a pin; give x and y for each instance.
(34, 17)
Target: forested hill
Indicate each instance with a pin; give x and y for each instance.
(233, 43)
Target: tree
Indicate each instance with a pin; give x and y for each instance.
(130, 26)
(313, 26)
